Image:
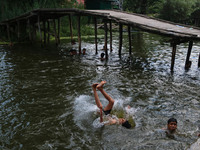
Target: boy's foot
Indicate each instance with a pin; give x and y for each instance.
(100, 86)
(94, 86)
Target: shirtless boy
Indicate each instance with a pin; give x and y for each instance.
(109, 107)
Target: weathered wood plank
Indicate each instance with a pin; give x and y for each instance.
(140, 21)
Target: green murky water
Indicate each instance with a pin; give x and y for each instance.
(46, 99)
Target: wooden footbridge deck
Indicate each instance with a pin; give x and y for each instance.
(31, 22)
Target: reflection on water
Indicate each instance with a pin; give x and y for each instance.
(47, 102)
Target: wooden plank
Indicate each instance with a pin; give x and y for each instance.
(144, 22)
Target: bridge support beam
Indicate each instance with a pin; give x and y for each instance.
(71, 29)
(79, 34)
(48, 30)
(199, 61)
(58, 30)
(44, 28)
(29, 30)
(106, 38)
(95, 32)
(55, 33)
(130, 42)
(110, 35)
(18, 30)
(173, 56)
(188, 62)
(8, 32)
(120, 38)
(39, 29)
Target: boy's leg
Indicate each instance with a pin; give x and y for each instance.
(111, 101)
(99, 105)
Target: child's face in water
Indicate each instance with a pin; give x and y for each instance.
(172, 126)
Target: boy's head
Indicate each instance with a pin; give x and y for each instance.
(102, 55)
(84, 50)
(172, 124)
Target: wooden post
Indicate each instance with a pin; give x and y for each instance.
(39, 28)
(173, 55)
(55, 33)
(188, 62)
(44, 28)
(95, 28)
(106, 39)
(28, 26)
(18, 30)
(71, 29)
(34, 32)
(199, 61)
(79, 33)
(110, 35)
(120, 38)
(48, 30)
(129, 37)
(58, 30)
(8, 32)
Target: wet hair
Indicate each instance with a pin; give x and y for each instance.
(126, 124)
(102, 55)
(172, 120)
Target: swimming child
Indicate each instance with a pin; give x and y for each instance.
(110, 119)
(171, 127)
(102, 56)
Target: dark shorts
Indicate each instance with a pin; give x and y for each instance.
(107, 112)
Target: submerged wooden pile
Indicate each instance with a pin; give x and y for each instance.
(32, 21)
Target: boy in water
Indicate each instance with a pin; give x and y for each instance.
(171, 127)
(108, 108)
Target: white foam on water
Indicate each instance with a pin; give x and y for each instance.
(85, 108)
(97, 124)
(195, 146)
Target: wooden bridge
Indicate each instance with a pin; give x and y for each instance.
(31, 22)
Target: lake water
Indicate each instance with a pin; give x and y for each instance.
(46, 99)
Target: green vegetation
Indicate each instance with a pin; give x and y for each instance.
(179, 11)
(12, 8)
